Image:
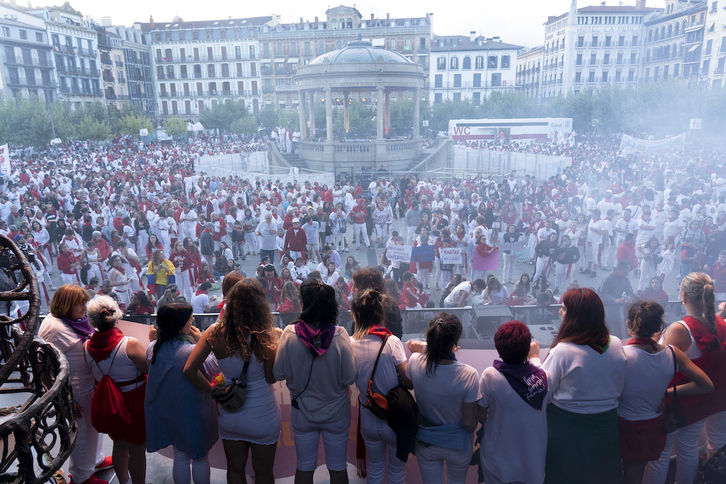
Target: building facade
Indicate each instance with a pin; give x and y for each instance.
(529, 67)
(137, 64)
(27, 67)
(714, 55)
(75, 53)
(198, 64)
(284, 47)
(111, 52)
(470, 67)
(591, 47)
(674, 42)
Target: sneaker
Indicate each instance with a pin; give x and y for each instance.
(586, 271)
(106, 463)
(90, 480)
(593, 275)
(346, 249)
(244, 258)
(370, 247)
(357, 247)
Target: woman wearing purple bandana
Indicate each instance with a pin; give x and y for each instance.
(67, 328)
(315, 358)
(513, 397)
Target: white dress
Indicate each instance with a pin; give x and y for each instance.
(259, 420)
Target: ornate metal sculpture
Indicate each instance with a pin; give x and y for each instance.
(39, 428)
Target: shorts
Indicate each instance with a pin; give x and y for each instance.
(315, 246)
(135, 432)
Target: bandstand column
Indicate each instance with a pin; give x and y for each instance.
(311, 134)
(329, 113)
(346, 112)
(388, 113)
(416, 109)
(380, 114)
(301, 111)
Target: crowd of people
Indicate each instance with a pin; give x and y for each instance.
(592, 389)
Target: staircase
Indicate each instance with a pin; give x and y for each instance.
(294, 160)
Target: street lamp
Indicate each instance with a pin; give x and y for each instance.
(54, 86)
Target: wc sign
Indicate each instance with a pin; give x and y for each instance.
(696, 123)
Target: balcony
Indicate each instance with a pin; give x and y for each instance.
(87, 52)
(111, 97)
(108, 79)
(266, 71)
(121, 80)
(267, 89)
(106, 62)
(286, 88)
(280, 71)
(184, 75)
(119, 63)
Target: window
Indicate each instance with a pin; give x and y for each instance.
(6, 32)
(457, 80)
(454, 63)
(457, 96)
(505, 62)
(477, 80)
(293, 48)
(480, 62)
(578, 62)
(665, 72)
(467, 63)
(608, 40)
(604, 76)
(606, 59)
(591, 77)
(647, 74)
(307, 48)
(278, 49)
(492, 62)
(708, 46)
(632, 57)
(706, 65)
(477, 98)
(438, 80)
(617, 76)
(224, 53)
(441, 63)
(593, 59)
(496, 79)
(581, 41)
(438, 97)
(38, 37)
(23, 34)
(422, 43)
(594, 41)
(621, 41)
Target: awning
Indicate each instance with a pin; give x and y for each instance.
(694, 47)
(712, 27)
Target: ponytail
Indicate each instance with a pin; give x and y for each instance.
(709, 308)
(367, 310)
(441, 338)
(170, 319)
(699, 289)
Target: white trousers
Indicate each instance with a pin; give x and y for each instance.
(686, 445)
(431, 463)
(184, 284)
(379, 439)
(361, 232)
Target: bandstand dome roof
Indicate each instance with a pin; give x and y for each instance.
(360, 51)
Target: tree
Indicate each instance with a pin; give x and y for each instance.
(269, 117)
(247, 125)
(92, 129)
(131, 124)
(222, 115)
(175, 126)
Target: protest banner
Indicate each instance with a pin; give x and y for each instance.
(424, 253)
(400, 253)
(515, 246)
(450, 255)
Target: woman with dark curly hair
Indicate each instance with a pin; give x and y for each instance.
(315, 358)
(244, 333)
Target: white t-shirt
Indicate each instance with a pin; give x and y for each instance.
(365, 352)
(198, 302)
(441, 395)
(584, 381)
(455, 295)
(509, 419)
(647, 376)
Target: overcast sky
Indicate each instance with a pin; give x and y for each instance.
(515, 21)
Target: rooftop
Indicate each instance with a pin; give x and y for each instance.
(462, 42)
(205, 24)
(360, 51)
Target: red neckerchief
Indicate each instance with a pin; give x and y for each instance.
(380, 331)
(199, 292)
(638, 340)
(121, 270)
(102, 343)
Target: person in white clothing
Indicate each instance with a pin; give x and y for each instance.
(446, 393)
(370, 333)
(109, 352)
(513, 398)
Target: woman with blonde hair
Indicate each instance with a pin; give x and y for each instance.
(244, 334)
(67, 328)
(123, 358)
(701, 335)
(369, 314)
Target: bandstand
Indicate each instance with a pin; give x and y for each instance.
(363, 71)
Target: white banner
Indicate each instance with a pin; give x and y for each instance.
(451, 255)
(629, 144)
(4, 160)
(400, 253)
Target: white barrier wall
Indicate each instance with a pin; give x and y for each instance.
(503, 162)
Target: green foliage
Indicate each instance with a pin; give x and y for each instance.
(92, 129)
(131, 124)
(222, 115)
(247, 125)
(269, 117)
(175, 126)
(290, 119)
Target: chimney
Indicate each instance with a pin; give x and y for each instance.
(301, 23)
(373, 20)
(316, 23)
(639, 4)
(472, 36)
(388, 19)
(151, 22)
